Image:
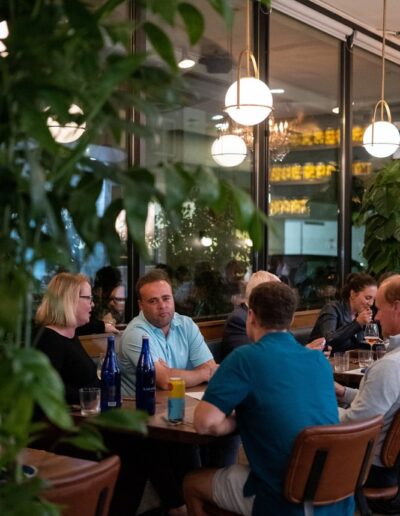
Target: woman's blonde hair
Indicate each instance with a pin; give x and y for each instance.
(256, 279)
(58, 306)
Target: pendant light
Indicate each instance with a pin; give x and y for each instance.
(69, 132)
(382, 138)
(228, 150)
(248, 101)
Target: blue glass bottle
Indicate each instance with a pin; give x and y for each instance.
(146, 380)
(110, 379)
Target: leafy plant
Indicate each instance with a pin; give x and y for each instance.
(380, 213)
(60, 53)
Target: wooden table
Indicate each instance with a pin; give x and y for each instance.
(158, 425)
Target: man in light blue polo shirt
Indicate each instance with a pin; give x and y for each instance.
(176, 344)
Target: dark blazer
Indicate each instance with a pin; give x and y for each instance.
(235, 330)
(336, 324)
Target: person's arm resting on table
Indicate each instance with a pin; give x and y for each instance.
(208, 419)
(193, 377)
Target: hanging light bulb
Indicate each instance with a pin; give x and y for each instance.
(382, 138)
(69, 132)
(248, 101)
(228, 150)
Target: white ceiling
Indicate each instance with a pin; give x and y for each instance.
(368, 14)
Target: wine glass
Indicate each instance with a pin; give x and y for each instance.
(371, 334)
(100, 361)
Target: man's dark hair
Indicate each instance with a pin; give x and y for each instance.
(273, 304)
(151, 277)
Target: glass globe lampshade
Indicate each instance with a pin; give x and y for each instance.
(69, 132)
(254, 104)
(384, 141)
(228, 150)
(120, 226)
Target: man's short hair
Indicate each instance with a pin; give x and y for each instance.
(256, 279)
(151, 277)
(273, 304)
(391, 287)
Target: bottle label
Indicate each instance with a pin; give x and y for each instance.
(176, 409)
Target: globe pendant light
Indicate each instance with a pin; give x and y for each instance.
(228, 150)
(381, 138)
(248, 101)
(69, 132)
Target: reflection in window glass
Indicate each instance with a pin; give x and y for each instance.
(367, 91)
(206, 257)
(304, 145)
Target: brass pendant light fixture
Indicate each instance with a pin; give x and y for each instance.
(382, 138)
(248, 101)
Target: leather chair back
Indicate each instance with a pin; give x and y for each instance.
(391, 446)
(330, 462)
(85, 492)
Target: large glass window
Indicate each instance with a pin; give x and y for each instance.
(367, 91)
(304, 145)
(207, 258)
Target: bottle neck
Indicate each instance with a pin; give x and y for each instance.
(110, 345)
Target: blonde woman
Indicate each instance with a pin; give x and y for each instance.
(67, 304)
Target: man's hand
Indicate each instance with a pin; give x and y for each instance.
(320, 345)
(208, 369)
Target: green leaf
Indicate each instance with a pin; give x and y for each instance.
(89, 438)
(194, 21)
(224, 8)
(122, 419)
(161, 43)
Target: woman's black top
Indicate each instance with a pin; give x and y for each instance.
(70, 360)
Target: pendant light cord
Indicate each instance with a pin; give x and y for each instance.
(383, 58)
(248, 35)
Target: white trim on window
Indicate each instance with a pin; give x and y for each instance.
(339, 30)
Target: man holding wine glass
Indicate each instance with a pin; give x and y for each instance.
(379, 391)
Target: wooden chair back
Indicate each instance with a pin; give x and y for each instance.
(331, 462)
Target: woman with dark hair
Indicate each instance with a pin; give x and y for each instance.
(341, 322)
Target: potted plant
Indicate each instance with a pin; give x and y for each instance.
(380, 213)
(57, 54)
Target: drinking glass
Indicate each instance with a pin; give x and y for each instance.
(89, 398)
(100, 361)
(365, 358)
(371, 334)
(341, 362)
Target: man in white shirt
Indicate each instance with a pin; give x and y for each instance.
(379, 391)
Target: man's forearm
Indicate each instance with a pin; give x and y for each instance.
(191, 378)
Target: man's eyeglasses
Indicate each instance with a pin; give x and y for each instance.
(89, 298)
(118, 299)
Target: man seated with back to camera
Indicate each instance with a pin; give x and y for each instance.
(270, 391)
(379, 391)
(178, 350)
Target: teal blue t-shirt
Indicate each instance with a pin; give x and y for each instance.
(277, 388)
